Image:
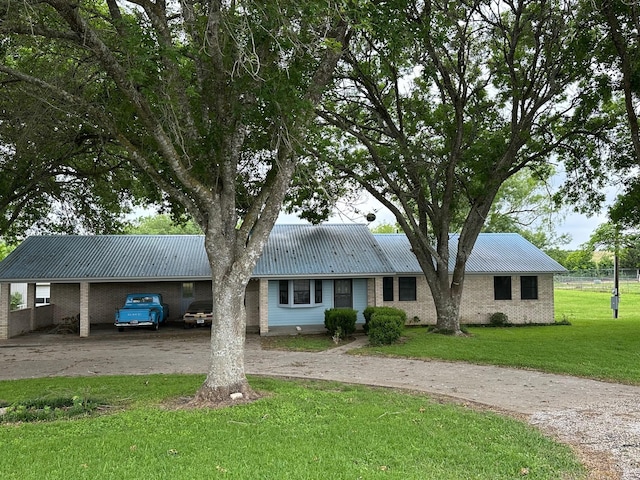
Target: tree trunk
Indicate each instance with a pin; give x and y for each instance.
(226, 375)
(447, 303)
(230, 275)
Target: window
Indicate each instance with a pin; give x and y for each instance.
(387, 289)
(284, 292)
(318, 287)
(299, 292)
(187, 290)
(502, 288)
(529, 288)
(407, 289)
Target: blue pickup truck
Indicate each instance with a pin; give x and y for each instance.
(142, 310)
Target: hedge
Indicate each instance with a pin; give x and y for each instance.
(343, 319)
(392, 311)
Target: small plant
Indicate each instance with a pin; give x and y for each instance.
(340, 321)
(499, 319)
(564, 321)
(46, 409)
(385, 329)
(337, 337)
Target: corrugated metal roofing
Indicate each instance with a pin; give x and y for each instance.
(291, 251)
(492, 253)
(333, 250)
(107, 257)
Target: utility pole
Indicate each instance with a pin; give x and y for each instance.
(615, 299)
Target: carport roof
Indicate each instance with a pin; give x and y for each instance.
(107, 258)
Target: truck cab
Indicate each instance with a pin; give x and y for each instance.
(142, 310)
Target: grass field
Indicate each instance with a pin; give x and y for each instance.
(594, 345)
(315, 430)
(299, 430)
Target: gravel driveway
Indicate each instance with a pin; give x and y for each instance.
(601, 419)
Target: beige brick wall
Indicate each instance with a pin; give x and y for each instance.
(5, 307)
(478, 302)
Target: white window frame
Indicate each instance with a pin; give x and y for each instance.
(312, 294)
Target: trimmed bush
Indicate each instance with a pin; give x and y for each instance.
(341, 321)
(385, 329)
(391, 311)
(499, 319)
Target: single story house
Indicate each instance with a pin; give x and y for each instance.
(303, 271)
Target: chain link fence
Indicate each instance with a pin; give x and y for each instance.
(601, 280)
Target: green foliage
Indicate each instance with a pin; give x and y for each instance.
(386, 228)
(558, 255)
(327, 429)
(499, 319)
(5, 250)
(163, 224)
(16, 300)
(49, 408)
(388, 311)
(340, 321)
(385, 329)
(580, 260)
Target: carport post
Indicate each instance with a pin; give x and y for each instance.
(31, 305)
(263, 295)
(5, 308)
(84, 309)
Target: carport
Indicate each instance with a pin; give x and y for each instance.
(90, 276)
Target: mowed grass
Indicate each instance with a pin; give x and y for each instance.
(298, 430)
(595, 345)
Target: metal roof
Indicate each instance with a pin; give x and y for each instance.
(102, 258)
(492, 253)
(332, 250)
(291, 251)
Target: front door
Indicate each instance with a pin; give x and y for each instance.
(343, 293)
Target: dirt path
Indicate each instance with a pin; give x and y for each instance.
(602, 419)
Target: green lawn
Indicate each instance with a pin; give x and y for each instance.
(316, 430)
(299, 430)
(594, 345)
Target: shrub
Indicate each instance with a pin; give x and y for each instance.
(392, 311)
(340, 321)
(499, 319)
(385, 329)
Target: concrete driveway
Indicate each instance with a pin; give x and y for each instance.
(602, 419)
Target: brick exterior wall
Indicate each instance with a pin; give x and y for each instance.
(477, 303)
(5, 307)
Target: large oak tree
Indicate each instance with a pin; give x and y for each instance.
(442, 102)
(206, 101)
